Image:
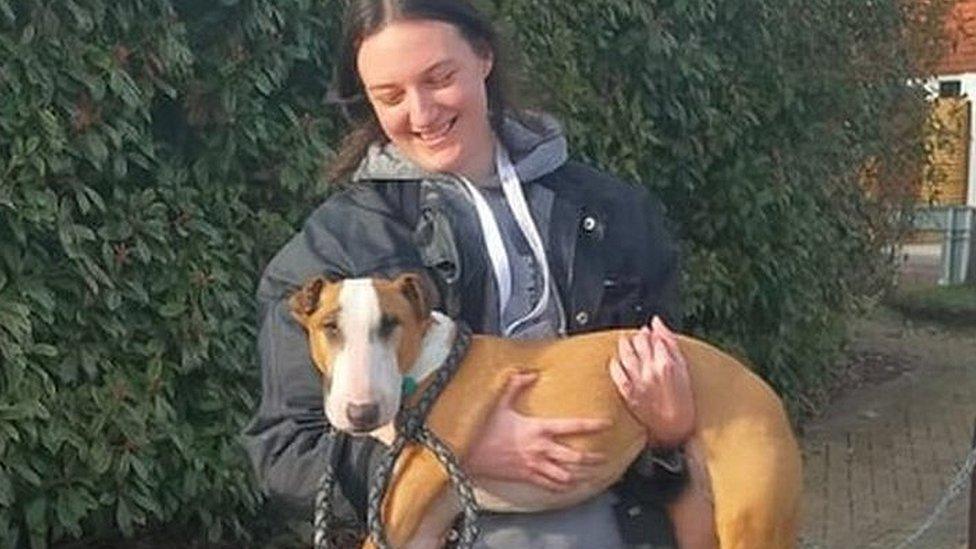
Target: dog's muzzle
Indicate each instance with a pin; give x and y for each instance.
(363, 417)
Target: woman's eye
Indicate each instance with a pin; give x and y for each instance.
(390, 100)
(331, 329)
(442, 79)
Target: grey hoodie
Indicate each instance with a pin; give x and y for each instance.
(537, 146)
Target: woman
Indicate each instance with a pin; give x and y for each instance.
(443, 178)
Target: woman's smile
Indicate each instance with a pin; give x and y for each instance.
(435, 136)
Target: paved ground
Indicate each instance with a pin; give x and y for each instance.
(880, 458)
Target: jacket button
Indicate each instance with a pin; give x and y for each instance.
(634, 511)
(582, 318)
(589, 224)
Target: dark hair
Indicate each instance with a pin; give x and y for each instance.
(364, 18)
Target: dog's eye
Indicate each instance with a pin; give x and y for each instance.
(387, 324)
(331, 330)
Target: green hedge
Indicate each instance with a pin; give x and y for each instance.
(155, 153)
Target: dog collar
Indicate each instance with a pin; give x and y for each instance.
(434, 350)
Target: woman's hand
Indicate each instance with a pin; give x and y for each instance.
(520, 448)
(652, 377)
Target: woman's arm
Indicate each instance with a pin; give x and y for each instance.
(659, 266)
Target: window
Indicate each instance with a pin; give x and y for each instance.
(950, 88)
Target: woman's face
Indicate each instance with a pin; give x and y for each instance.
(427, 87)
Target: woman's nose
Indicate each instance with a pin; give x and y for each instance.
(423, 110)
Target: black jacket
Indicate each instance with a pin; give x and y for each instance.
(612, 258)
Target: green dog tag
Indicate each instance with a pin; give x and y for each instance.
(409, 386)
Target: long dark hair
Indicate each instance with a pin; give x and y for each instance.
(364, 18)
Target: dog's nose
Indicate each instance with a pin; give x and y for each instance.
(363, 416)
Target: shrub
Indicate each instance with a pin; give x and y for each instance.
(155, 153)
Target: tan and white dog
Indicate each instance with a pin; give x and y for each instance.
(367, 335)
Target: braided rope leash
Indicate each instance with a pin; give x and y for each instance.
(956, 486)
(323, 508)
(410, 427)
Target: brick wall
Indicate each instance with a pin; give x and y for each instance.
(961, 29)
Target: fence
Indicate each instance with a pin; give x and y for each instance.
(958, 227)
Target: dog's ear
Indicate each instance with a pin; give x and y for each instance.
(306, 300)
(418, 291)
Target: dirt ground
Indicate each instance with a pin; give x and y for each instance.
(880, 457)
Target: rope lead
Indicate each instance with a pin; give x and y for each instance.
(411, 427)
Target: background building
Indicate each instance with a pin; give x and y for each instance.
(952, 171)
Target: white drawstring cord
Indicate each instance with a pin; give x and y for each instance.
(497, 254)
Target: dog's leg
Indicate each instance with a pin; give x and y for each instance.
(414, 497)
(693, 512)
(749, 451)
(431, 532)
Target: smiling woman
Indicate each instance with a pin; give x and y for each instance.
(441, 177)
(430, 104)
(452, 75)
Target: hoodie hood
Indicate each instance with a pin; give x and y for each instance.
(535, 141)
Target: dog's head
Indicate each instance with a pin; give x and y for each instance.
(364, 335)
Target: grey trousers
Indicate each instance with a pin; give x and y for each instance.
(593, 524)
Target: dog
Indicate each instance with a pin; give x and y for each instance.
(366, 336)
